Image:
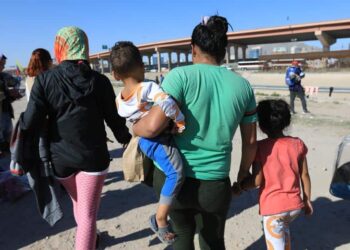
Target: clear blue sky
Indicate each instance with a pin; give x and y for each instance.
(29, 24)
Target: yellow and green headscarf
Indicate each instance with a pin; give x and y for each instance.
(71, 43)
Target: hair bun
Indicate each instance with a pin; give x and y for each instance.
(218, 24)
(210, 36)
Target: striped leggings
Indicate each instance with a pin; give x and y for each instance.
(84, 188)
(276, 229)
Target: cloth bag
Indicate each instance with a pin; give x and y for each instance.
(136, 166)
(340, 185)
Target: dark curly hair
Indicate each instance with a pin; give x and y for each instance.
(273, 115)
(125, 57)
(211, 37)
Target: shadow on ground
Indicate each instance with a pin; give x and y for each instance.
(122, 242)
(242, 202)
(21, 224)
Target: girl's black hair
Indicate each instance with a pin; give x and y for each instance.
(211, 37)
(273, 115)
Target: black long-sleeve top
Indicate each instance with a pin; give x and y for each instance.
(77, 101)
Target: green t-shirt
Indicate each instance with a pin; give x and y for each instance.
(214, 101)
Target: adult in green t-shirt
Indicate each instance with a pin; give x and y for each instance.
(215, 101)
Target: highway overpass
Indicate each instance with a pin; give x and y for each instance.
(326, 32)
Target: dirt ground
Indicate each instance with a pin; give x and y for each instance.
(125, 207)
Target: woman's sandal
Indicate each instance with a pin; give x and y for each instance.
(162, 233)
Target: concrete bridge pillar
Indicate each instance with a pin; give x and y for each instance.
(236, 52)
(169, 61)
(325, 39)
(244, 50)
(158, 60)
(101, 66)
(149, 59)
(188, 57)
(228, 54)
(110, 65)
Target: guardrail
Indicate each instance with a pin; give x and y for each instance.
(320, 89)
(272, 87)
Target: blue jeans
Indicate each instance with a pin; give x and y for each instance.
(165, 154)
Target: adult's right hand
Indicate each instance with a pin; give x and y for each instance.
(151, 124)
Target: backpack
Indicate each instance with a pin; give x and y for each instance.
(293, 76)
(289, 81)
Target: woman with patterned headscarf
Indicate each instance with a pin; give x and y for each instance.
(77, 102)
